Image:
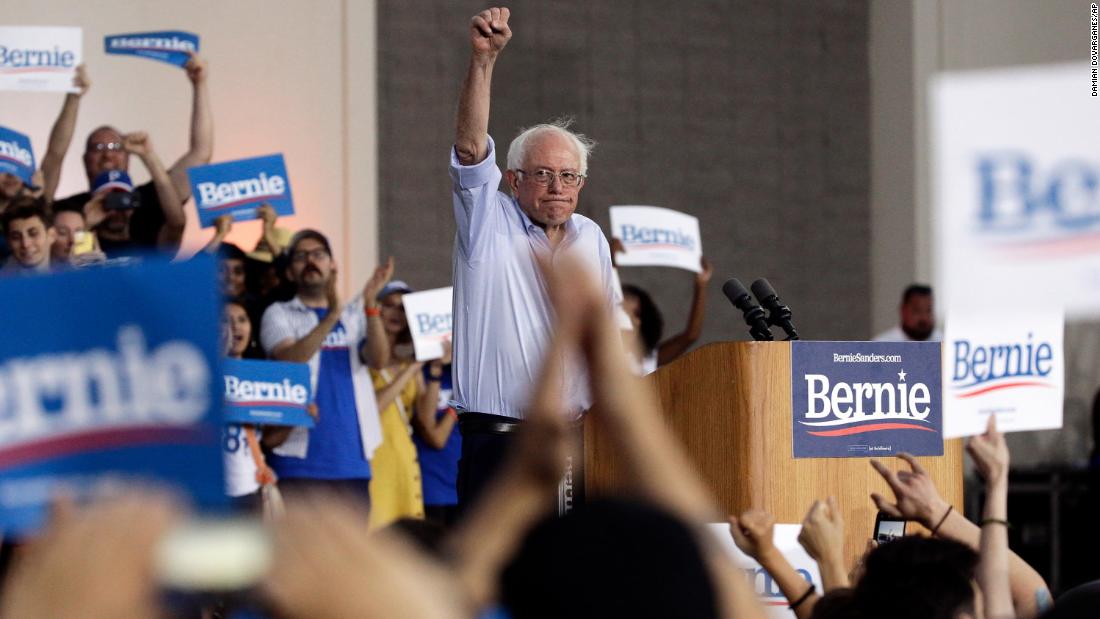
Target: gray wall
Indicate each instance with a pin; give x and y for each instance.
(752, 116)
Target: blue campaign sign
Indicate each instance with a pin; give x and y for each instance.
(169, 46)
(109, 375)
(238, 188)
(267, 393)
(858, 399)
(16, 155)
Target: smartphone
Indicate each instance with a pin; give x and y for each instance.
(888, 528)
(207, 560)
(83, 243)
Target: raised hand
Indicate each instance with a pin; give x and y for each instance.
(489, 31)
(378, 280)
(137, 143)
(332, 295)
(753, 532)
(94, 213)
(702, 277)
(915, 496)
(990, 453)
(267, 214)
(196, 68)
(81, 81)
(222, 225)
(822, 532)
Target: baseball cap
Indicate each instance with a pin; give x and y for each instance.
(112, 180)
(392, 287)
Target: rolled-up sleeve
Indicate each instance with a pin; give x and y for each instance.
(475, 196)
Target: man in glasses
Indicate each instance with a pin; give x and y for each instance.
(338, 341)
(502, 316)
(155, 219)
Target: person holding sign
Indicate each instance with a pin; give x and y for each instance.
(158, 219)
(404, 397)
(339, 341)
(502, 316)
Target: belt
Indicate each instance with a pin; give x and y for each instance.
(484, 423)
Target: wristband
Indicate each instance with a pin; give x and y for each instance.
(452, 413)
(939, 524)
(805, 596)
(372, 311)
(996, 521)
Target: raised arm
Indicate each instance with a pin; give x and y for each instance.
(489, 33)
(223, 225)
(375, 351)
(61, 136)
(432, 428)
(392, 390)
(301, 351)
(678, 344)
(202, 128)
(137, 143)
(753, 533)
(916, 498)
(990, 454)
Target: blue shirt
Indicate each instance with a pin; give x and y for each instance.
(335, 445)
(502, 313)
(439, 467)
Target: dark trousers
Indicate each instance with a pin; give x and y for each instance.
(486, 440)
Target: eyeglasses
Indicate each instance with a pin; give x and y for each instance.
(544, 177)
(315, 254)
(101, 146)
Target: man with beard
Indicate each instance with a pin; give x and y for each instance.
(338, 341)
(918, 320)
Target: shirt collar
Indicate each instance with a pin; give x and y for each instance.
(530, 227)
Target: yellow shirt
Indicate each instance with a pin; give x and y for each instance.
(395, 490)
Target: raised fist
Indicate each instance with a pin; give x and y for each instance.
(489, 31)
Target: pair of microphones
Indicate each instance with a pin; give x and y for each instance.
(777, 315)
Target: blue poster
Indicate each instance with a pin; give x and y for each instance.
(860, 399)
(108, 375)
(239, 187)
(169, 46)
(267, 392)
(16, 155)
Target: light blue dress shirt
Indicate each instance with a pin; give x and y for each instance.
(502, 313)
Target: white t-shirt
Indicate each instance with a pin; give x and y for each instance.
(240, 467)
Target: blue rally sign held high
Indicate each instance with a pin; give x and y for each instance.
(857, 399)
(16, 155)
(98, 392)
(169, 46)
(239, 187)
(267, 392)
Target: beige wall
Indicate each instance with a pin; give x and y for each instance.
(296, 77)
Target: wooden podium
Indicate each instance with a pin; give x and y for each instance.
(730, 405)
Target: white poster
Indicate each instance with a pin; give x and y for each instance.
(429, 315)
(1016, 170)
(656, 236)
(1004, 363)
(39, 57)
(785, 538)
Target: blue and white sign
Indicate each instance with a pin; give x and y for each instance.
(1006, 363)
(1017, 187)
(39, 57)
(656, 236)
(267, 393)
(785, 538)
(16, 155)
(171, 46)
(99, 393)
(860, 399)
(238, 188)
(430, 320)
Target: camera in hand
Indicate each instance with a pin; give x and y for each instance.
(121, 200)
(119, 190)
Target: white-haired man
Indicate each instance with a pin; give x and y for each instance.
(502, 315)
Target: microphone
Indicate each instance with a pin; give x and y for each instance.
(754, 316)
(779, 315)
